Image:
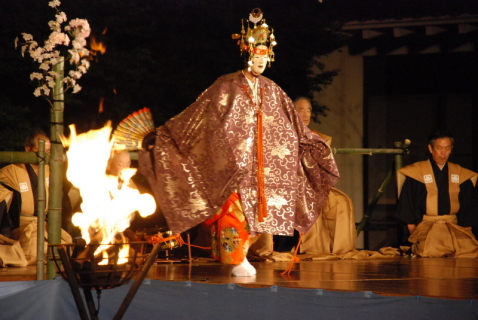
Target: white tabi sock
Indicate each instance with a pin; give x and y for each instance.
(245, 269)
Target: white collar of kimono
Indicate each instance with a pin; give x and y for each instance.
(253, 85)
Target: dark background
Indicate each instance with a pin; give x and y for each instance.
(160, 54)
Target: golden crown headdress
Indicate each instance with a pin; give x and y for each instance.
(258, 33)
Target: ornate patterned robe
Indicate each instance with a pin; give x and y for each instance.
(209, 151)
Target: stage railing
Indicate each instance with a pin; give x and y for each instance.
(41, 158)
(401, 149)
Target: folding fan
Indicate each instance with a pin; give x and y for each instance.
(130, 132)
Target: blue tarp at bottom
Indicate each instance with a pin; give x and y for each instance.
(52, 299)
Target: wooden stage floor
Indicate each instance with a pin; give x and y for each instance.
(446, 278)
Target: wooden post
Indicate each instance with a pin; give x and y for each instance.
(56, 163)
(401, 149)
(41, 206)
(20, 157)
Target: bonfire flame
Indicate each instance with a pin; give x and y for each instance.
(108, 203)
(101, 105)
(97, 46)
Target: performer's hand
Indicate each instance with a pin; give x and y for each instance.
(148, 140)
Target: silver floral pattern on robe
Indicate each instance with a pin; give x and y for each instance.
(209, 151)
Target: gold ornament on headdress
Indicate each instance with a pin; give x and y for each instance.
(258, 33)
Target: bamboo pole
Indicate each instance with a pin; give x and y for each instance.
(400, 146)
(134, 155)
(369, 151)
(374, 201)
(399, 158)
(20, 157)
(399, 150)
(41, 206)
(42, 158)
(56, 163)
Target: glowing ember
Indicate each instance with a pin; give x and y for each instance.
(101, 105)
(97, 46)
(108, 203)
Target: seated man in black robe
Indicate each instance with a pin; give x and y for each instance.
(437, 202)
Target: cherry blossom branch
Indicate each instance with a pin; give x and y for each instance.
(73, 37)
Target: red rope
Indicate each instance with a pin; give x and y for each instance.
(157, 238)
(262, 201)
(294, 258)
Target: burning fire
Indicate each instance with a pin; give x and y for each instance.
(101, 105)
(97, 46)
(108, 203)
